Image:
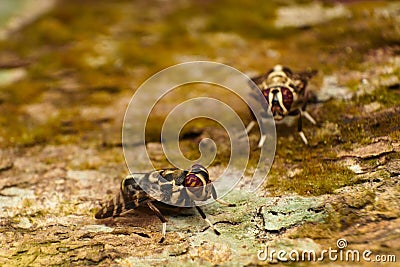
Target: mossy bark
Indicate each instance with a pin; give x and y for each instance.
(65, 82)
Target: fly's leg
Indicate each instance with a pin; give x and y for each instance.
(220, 201)
(300, 129)
(203, 215)
(161, 217)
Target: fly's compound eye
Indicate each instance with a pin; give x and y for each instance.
(196, 183)
(193, 180)
(287, 97)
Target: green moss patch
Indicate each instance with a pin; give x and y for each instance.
(316, 178)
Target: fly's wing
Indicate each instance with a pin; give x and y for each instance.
(129, 197)
(259, 79)
(161, 185)
(300, 79)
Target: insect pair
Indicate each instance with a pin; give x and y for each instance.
(173, 186)
(286, 95)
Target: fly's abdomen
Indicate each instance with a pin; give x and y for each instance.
(112, 208)
(129, 197)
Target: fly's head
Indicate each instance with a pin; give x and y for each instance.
(196, 182)
(280, 100)
(279, 91)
